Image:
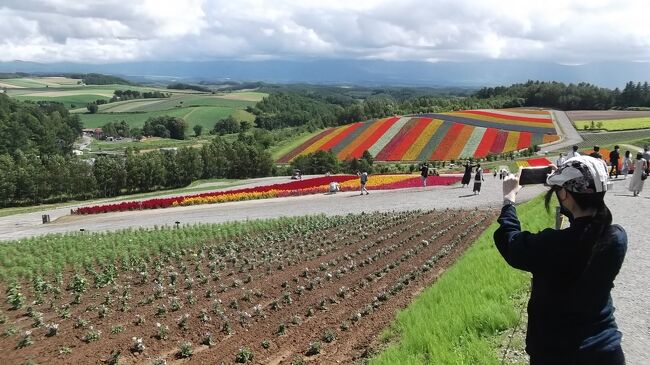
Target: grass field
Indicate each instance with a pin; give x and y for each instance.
(616, 124)
(454, 321)
(70, 101)
(196, 108)
(605, 139)
(203, 115)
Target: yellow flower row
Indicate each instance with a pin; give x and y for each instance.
(374, 181)
(228, 198)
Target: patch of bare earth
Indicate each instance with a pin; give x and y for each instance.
(605, 114)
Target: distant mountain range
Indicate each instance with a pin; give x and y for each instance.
(358, 72)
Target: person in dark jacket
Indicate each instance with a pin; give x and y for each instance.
(596, 153)
(570, 311)
(467, 175)
(424, 173)
(614, 156)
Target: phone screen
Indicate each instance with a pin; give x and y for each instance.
(533, 175)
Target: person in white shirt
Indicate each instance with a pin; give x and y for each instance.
(560, 160)
(334, 187)
(573, 153)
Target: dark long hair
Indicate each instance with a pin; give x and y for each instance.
(601, 221)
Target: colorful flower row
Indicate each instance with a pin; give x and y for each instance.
(294, 188)
(534, 162)
(177, 200)
(472, 133)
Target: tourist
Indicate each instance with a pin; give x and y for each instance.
(560, 160)
(613, 160)
(596, 153)
(334, 187)
(627, 164)
(573, 153)
(640, 174)
(424, 173)
(570, 311)
(467, 175)
(646, 156)
(478, 179)
(363, 179)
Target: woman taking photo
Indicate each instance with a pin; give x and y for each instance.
(570, 311)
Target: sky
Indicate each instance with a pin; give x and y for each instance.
(107, 31)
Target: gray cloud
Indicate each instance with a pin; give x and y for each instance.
(460, 30)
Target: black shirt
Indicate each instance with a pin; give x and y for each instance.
(570, 308)
(614, 156)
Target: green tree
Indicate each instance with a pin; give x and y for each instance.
(92, 108)
(198, 129)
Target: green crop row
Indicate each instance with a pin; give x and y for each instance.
(453, 321)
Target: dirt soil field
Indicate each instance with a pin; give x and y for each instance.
(605, 114)
(350, 279)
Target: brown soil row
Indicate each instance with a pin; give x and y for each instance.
(605, 114)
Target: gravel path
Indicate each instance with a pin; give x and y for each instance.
(439, 197)
(631, 294)
(571, 135)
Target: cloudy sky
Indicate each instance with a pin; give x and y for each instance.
(568, 32)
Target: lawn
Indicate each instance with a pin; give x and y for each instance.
(605, 139)
(455, 320)
(70, 101)
(616, 124)
(203, 115)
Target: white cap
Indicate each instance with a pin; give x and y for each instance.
(581, 174)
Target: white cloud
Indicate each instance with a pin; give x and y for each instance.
(112, 31)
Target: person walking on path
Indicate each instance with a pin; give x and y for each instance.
(646, 157)
(467, 175)
(614, 156)
(424, 172)
(596, 153)
(478, 179)
(570, 310)
(363, 179)
(560, 160)
(640, 174)
(627, 164)
(573, 153)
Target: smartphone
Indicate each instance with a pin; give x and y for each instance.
(534, 175)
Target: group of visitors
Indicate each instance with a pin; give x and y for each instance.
(640, 167)
(478, 177)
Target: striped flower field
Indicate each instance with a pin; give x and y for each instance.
(444, 136)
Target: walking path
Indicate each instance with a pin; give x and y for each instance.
(571, 135)
(438, 197)
(631, 293)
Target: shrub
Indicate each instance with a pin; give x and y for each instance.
(185, 350)
(137, 345)
(245, 355)
(92, 335)
(314, 348)
(266, 344)
(52, 329)
(25, 340)
(161, 331)
(329, 336)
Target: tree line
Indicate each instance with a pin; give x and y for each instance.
(281, 110)
(32, 179)
(571, 96)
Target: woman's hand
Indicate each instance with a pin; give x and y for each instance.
(510, 188)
